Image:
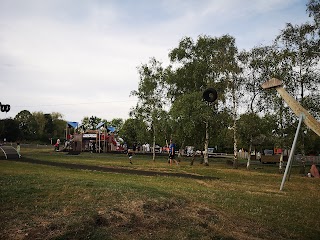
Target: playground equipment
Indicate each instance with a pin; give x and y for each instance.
(8, 152)
(309, 120)
(301, 112)
(102, 139)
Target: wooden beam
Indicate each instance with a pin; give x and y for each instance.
(309, 120)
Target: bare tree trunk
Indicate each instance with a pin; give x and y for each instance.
(154, 145)
(235, 147)
(281, 163)
(235, 140)
(206, 144)
(193, 157)
(249, 155)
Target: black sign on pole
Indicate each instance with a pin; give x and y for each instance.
(210, 95)
(4, 107)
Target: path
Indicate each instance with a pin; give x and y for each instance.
(115, 169)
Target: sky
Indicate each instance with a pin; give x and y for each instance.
(80, 57)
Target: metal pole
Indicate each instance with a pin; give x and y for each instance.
(292, 151)
(66, 131)
(99, 139)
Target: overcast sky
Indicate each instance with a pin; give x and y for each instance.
(80, 57)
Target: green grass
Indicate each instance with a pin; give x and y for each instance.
(45, 202)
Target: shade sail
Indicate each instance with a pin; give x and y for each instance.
(73, 124)
(100, 125)
(111, 129)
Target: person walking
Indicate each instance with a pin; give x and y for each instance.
(172, 150)
(18, 149)
(130, 155)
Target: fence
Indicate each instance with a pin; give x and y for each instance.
(308, 160)
(297, 159)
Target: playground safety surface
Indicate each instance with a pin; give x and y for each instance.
(114, 169)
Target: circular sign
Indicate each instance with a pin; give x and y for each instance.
(210, 95)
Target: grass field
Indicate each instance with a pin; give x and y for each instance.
(48, 202)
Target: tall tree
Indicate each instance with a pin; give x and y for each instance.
(48, 128)
(41, 123)
(261, 64)
(188, 120)
(249, 132)
(209, 62)
(151, 96)
(90, 123)
(313, 7)
(134, 131)
(299, 45)
(27, 125)
(9, 130)
(59, 125)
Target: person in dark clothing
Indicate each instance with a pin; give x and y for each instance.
(172, 150)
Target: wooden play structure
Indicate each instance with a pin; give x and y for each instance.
(100, 140)
(96, 141)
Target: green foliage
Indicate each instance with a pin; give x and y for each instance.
(189, 113)
(49, 126)
(134, 131)
(312, 143)
(90, 123)
(27, 125)
(116, 122)
(151, 96)
(313, 7)
(201, 65)
(9, 130)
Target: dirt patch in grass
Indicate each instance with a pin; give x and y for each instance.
(155, 219)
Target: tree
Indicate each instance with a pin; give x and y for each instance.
(134, 131)
(90, 123)
(249, 132)
(41, 123)
(188, 120)
(117, 123)
(9, 130)
(151, 97)
(27, 125)
(299, 44)
(210, 62)
(59, 125)
(256, 65)
(49, 125)
(48, 128)
(313, 7)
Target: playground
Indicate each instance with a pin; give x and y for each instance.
(104, 193)
(48, 195)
